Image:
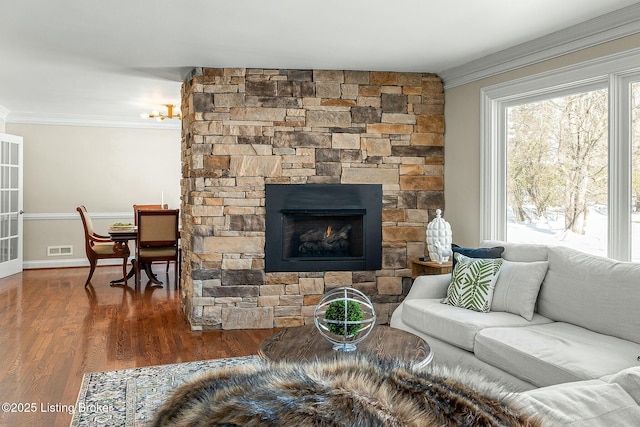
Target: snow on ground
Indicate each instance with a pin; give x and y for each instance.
(550, 231)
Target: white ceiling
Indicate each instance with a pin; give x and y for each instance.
(112, 60)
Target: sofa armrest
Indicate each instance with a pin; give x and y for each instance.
(432, 286)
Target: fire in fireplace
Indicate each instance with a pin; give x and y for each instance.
(323, 234)
(325, 242)
(323, 227)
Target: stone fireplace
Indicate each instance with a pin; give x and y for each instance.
(247, 132)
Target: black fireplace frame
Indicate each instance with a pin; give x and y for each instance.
(323, 199)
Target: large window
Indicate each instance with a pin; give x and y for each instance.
(635, 171)
(557, 167)
(561, 158)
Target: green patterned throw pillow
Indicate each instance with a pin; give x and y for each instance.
(473, 282)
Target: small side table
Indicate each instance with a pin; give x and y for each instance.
(421, 268)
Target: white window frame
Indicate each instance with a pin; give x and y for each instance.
(615, 72)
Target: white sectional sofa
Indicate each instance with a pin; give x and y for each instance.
(611, 401)
(577, 320)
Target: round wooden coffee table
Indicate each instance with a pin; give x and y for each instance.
(304, 343)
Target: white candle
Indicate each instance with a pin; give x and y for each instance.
(162, 202)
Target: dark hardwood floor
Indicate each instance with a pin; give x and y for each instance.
(53, 330)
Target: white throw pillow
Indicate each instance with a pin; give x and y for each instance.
(517, 287)
(472, 283)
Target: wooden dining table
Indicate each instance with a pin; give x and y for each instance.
(121, 235)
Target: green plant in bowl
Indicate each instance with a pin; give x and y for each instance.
(336, 313)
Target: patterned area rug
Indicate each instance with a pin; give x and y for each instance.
(130, 397)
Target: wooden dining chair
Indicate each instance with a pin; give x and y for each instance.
(100, 247)
(137, 208)
(157, 239)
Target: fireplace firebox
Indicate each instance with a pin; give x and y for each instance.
(323, 227)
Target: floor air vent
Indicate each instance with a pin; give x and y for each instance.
(59, 250)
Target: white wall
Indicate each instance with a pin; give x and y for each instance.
(106, 169)
(462, 138)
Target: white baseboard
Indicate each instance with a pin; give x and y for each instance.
(66, 263)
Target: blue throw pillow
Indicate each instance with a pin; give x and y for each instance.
(495, 252)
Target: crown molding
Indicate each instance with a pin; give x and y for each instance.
(611, 26)
(91, 121)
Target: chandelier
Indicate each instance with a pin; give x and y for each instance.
(159, 116)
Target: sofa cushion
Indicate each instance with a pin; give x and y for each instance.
(554, 352)
(584, 404)
(473, 282)
(455, 325)
(629, 380)
(594, 292)
(517, 287)
(520, 252)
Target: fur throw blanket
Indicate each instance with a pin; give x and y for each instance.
(349, 391)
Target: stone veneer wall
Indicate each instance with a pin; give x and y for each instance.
(243, 128)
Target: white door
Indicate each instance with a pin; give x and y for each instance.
(10, 204)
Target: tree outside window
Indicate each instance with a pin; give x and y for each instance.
(557, 168)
